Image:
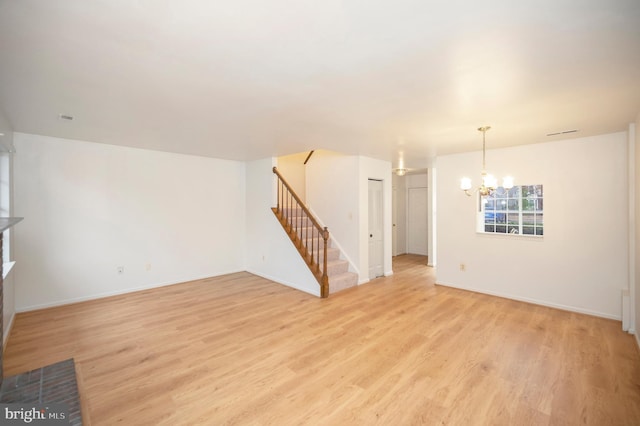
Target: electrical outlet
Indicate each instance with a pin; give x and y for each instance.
(463, 267)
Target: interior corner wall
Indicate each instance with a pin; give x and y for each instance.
(269, 251)
(581, 263)
(332, 195)
(431, 226)
(370, 168)
(90, 208)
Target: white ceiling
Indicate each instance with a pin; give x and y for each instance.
(247, 79)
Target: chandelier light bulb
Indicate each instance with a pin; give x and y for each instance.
(490, 181)
(465, 184)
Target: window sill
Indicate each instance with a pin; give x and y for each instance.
(515, 236)
(6, 268)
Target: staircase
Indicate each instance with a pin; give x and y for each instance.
(312, 241)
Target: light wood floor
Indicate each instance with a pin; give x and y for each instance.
(400, 350)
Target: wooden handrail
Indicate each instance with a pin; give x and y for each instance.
(299, 201)
(301, 239)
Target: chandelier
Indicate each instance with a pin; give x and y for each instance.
(489, 183)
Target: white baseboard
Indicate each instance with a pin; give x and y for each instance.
(535, 301)
(117, 293)
(286, 283)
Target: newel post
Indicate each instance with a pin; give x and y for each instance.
(324, 291)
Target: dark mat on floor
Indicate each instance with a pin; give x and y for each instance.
(55, 383)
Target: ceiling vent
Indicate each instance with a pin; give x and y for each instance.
(564, 132)
(65, 117)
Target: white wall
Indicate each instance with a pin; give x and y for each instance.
(338, 191)
(6, 140)
(270, 253)
(370, 168)
(90, 208)
(332, 195)
(6, 210)
(581, 262)
(433, 210)
(293, 169)
(636, 277)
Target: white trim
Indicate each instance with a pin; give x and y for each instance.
(118, 292)
(285, 283)
(637, 339)
(534, 301)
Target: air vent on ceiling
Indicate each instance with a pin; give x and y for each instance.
(564, 132)
(65, 117)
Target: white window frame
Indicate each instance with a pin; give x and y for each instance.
(535, 194)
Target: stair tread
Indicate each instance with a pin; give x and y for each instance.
(342, 281)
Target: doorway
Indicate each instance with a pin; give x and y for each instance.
(376, 229)
(417, 222)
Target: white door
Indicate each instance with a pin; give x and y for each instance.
(417, 221)
(376, 237)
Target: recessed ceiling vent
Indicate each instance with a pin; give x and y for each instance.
(65, 117)
(562, 133)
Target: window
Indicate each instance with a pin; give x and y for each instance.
(514, 211)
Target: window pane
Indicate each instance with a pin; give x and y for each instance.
(528, 219)
(513, 230)
(501, 229)
(489, 228)
(513, 204)
(527, 230)
(490, 204)
(538, 190)
(538, 204)
(539, 219)
(514, 192)
(501, 204)
(489, 217)
(501, 218)
(539, 230)
(513, 218)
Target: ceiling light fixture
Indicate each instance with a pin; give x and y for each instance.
(400, 172)
(489, 183)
